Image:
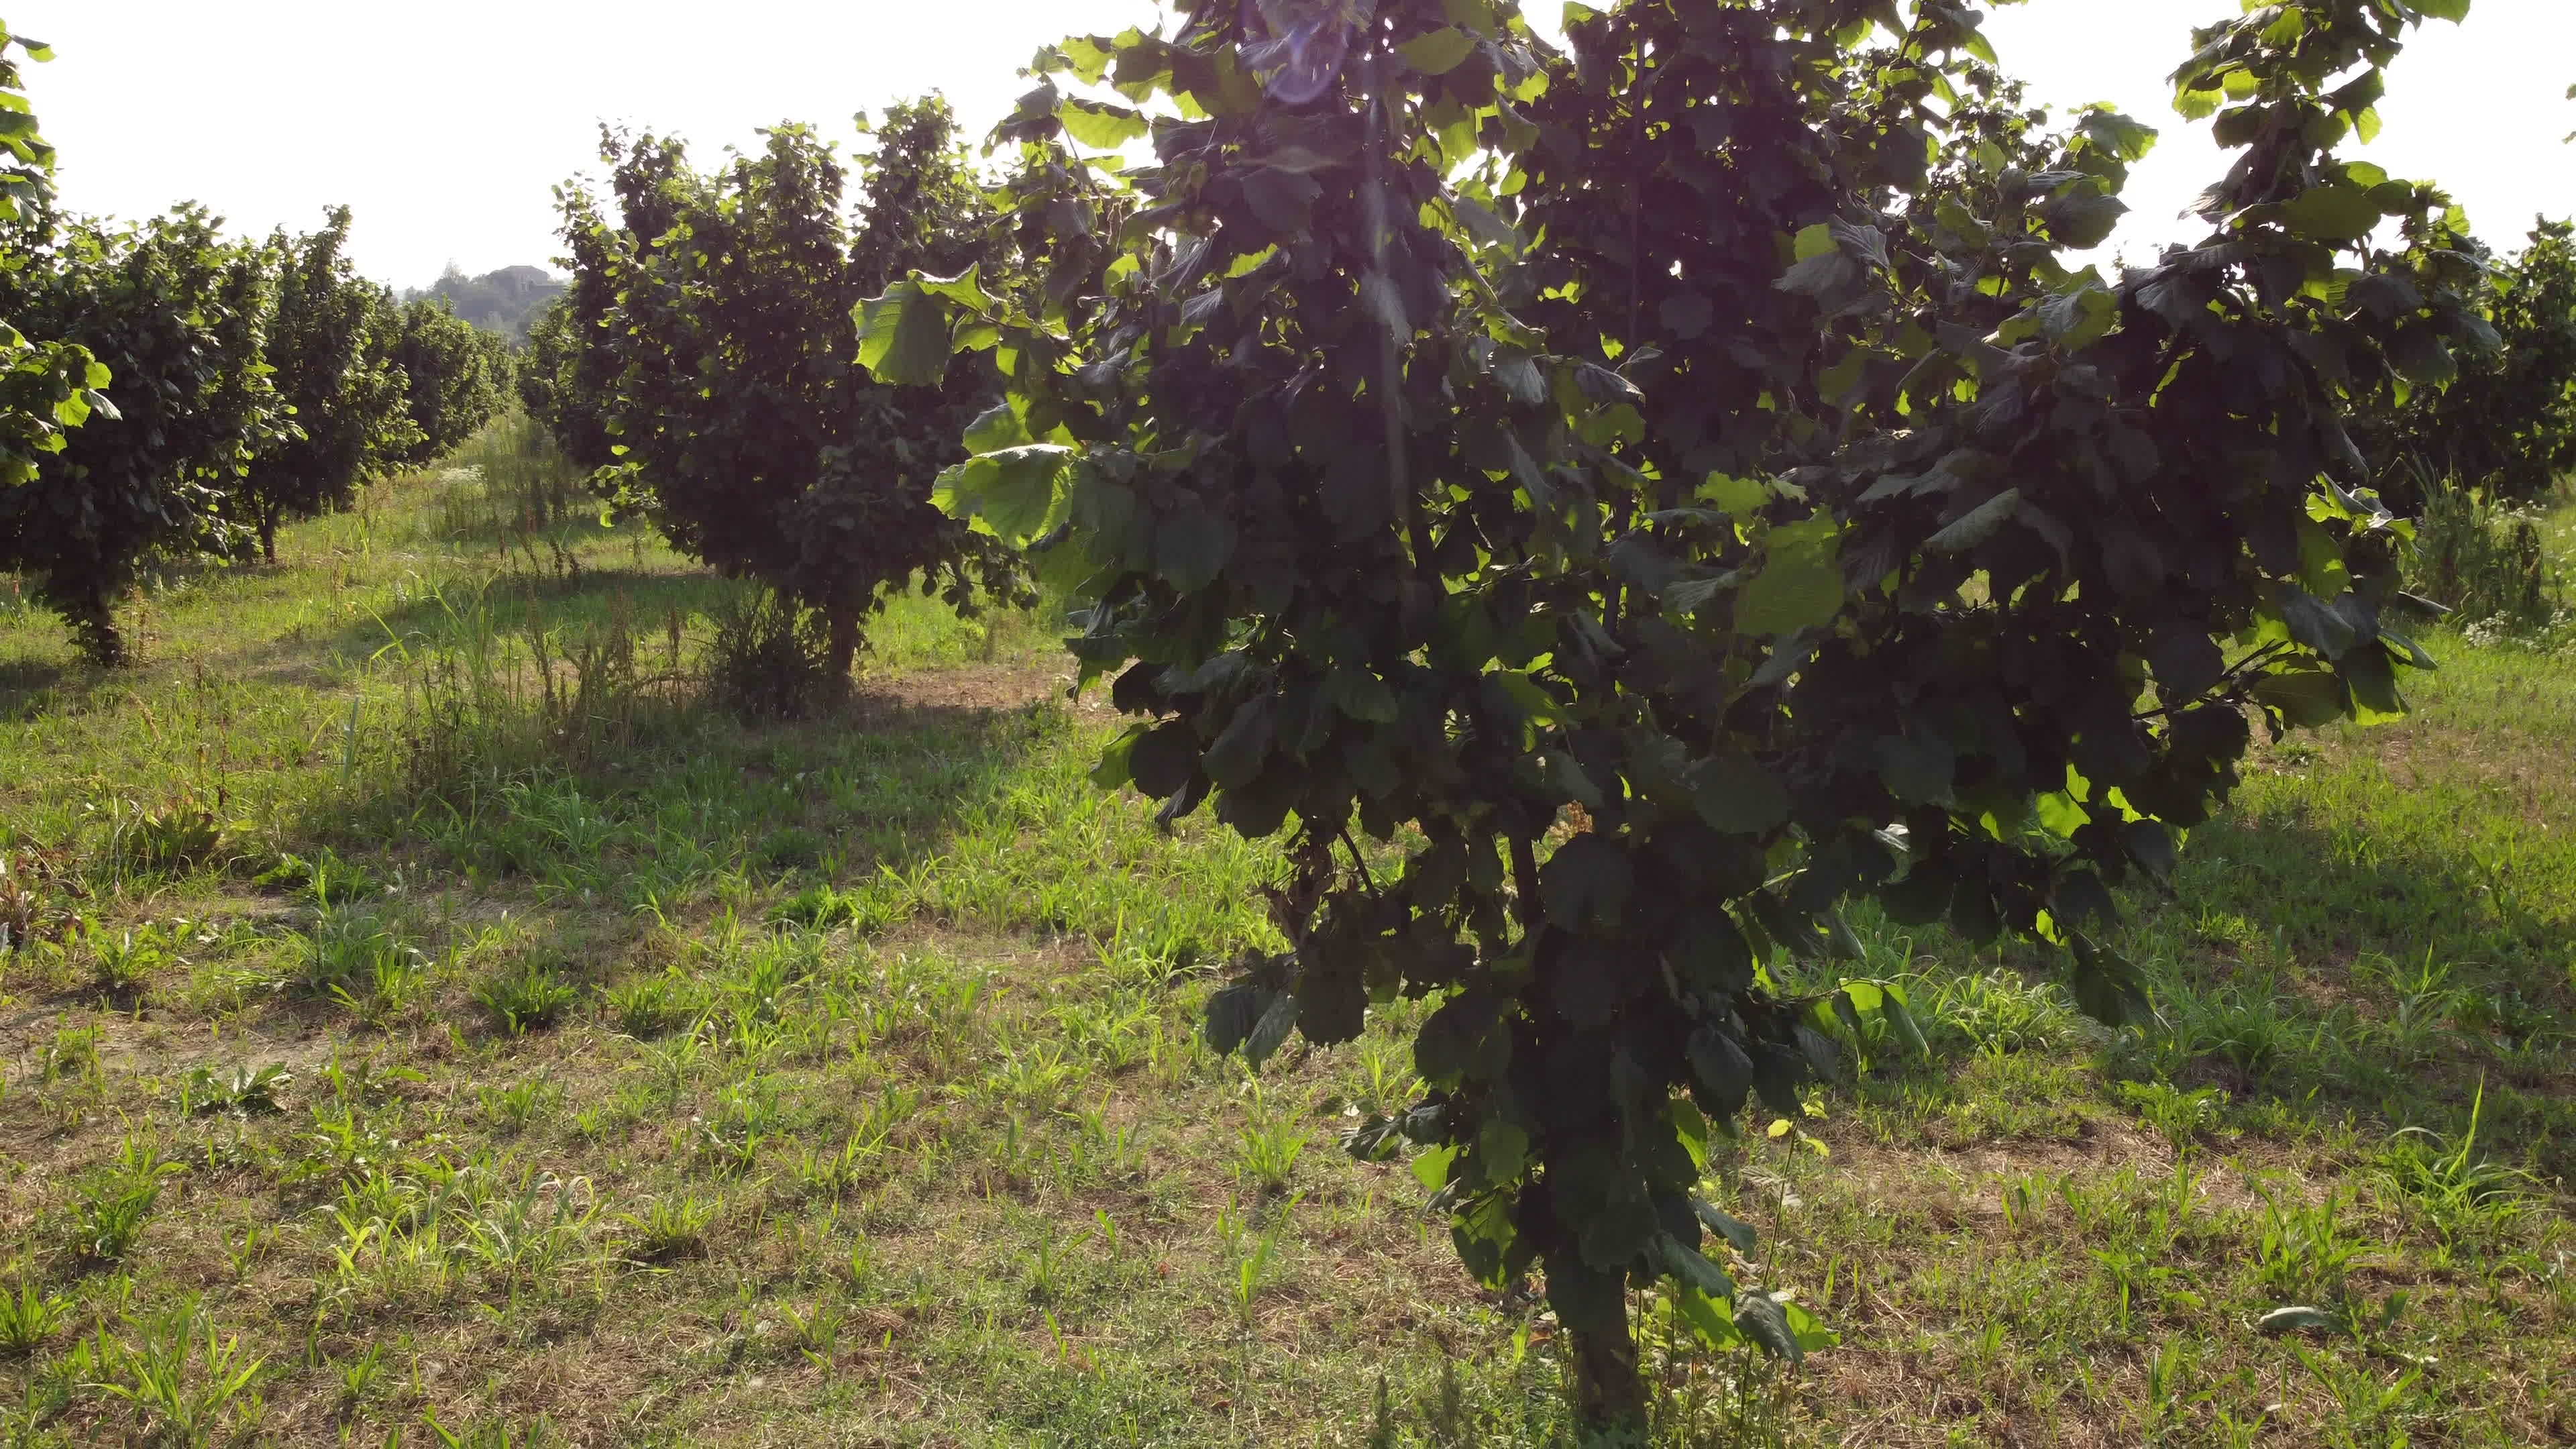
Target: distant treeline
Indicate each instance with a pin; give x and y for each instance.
(506, 301)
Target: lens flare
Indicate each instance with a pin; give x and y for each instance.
(1297, 47)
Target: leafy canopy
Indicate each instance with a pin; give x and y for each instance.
(708, 345)
(46, 386)
(1668, 489)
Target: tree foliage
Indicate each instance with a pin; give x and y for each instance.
(176, 313)
(330, 341)
(709, 342)
(455, 376)
(1674, 487)
(2500, 417)
(46, 386)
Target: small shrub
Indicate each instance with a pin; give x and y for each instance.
(525, 995)
(770, 658)
(814, 907)
(2181, 1117)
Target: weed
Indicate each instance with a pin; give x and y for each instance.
(816, 1334)
(183, 1375)
(525, 996)
(510, 1109)
(2465, 1197)
(651, 1006)
(73, 1052)
(793, 848)
(769, 659)
(2482, 559)
(29, 1317)
(109, 1212)
(350, 952)
(121, 966)
(2181, 1117)
(358, 1374)
(179, 835)
(671, 1227)
(241, 1091)
(40, 897)
(1271, 1146)
(2304, 1251)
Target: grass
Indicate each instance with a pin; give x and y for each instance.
(481, 1039)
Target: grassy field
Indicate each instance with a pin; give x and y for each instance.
(484, 1040)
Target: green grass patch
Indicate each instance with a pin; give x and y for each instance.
(435, 1010)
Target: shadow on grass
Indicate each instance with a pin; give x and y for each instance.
(459, 613)
(2300, 970)
(32, 687)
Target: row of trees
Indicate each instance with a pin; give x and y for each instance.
(191, 391)
(705, 361)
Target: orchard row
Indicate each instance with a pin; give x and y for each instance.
(169, 392)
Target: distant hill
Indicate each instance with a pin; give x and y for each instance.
(505, 301)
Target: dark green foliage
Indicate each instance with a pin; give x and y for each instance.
(569, 378)
(1605, 465)
(46, 386)
(455, 376)
(331, 341)
(2499, 416)
(175, 312)
(748, 432)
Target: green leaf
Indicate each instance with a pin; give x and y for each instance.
(1587, 880)
(904, 336)
(1900, 1017)
(1735, 1230)
(1190, 548)
(1011, 493)
(1976, 525)
(1736, 795)
(1685, 1263)
(996, 428)
(1686, 314)
(2331, 213)
(1101, 126)
(1282, 199)
(1801, 582)
(1439, 52)
(2304, 698)
(1759, 1315)
(1431, 1166)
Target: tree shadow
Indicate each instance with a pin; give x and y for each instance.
(2308, 972)
(646, 603)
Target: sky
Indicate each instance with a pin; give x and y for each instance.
(446, 127)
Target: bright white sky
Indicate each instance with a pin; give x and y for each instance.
(445, 126)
